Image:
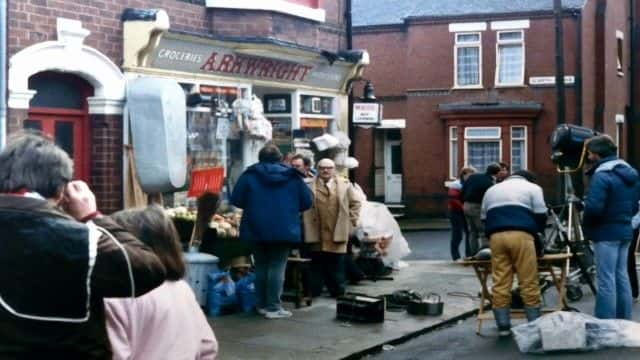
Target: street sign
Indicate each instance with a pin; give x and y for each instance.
(367, 113)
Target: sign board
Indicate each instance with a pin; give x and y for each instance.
(227, 59)
(367, 113)
(550, 80)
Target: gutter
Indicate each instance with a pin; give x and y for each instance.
(3, 73)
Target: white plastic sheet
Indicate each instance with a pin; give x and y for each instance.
(377, 221)
(575, 331)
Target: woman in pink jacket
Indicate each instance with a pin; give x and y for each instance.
(166, 323)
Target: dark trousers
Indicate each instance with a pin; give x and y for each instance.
(458, 230)
(327, 269)
(631, 266)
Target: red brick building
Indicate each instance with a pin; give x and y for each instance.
(469, 83)
(69, 63)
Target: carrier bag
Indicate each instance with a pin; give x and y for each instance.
(246, 292)
(222, 297)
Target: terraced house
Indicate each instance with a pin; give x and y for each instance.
(470, 82)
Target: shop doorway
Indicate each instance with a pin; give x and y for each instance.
(59, 109)
(393, 171)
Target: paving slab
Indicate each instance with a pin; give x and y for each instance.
(314, 333)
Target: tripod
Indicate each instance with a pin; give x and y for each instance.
(566, 236)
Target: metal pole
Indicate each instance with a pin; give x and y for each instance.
(351, 131)
(560, 101)
(3, 73)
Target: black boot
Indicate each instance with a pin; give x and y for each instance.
(503, 320)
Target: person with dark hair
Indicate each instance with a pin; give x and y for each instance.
(57, 266)
(272, 196)
(610, 203)
(472, 192)
(504, 172)
(456, 214)
(166, 323)
(302, 164)
(515, 213)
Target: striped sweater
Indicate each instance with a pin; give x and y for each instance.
(514, 204)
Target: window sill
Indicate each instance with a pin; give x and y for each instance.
(475, 87)
(506, 86)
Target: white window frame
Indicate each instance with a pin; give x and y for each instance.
(458, 45)
(453, 144)
(500, 43)
(468, 139)
(525, 155)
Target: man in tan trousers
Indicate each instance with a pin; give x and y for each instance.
(327, 226)
(515, 213)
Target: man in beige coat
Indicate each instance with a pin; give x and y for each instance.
(327, 226)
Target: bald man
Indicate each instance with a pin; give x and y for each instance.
(327, 226)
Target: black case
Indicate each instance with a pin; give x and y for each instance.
(360, 308)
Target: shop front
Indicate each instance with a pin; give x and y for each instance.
(243, 92)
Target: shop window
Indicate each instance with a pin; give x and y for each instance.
(209, 128)
(468, 60)
(510, 58)
(483, 146)
(453, 152)
(316, 105)
(518, 148)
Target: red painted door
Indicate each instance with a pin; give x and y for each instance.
(67, 128)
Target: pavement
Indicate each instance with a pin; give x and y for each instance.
(314, 333)
(422, 224)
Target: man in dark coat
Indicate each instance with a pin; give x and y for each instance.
(472, 193)
(272, 196)
(57, 266)
(609, 206)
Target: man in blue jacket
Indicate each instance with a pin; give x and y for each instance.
(514, 212)
(272, 196)
(609, 206)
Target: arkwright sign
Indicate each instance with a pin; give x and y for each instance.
(220, 58)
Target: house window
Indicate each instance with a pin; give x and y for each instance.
(620, 54)
(468, 63)
(518, 148)
(482, 146)
(510, 58)
(453, 152)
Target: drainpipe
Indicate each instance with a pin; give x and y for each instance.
(578, 72)
(351, 129)
(632, 126)
(3, 73)
(600, 95)
(560, 100)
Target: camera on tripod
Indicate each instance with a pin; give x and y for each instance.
(567, 145)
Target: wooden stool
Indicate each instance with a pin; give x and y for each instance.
(300, 292)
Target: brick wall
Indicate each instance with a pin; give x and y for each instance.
(106, 161)
(33, 21)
